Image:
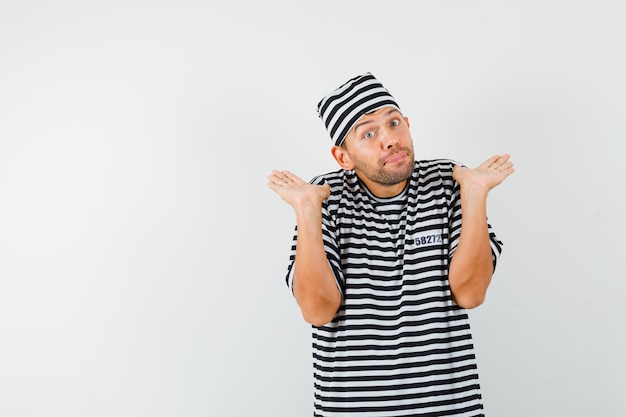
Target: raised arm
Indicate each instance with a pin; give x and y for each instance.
(314, 284)
(471, 267)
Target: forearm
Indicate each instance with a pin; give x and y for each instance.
(314, 283)
(471, 267)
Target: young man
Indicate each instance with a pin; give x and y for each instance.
(389, 253)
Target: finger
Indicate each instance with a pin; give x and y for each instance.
(273, 185)
(489, 162)
(292, 178)
(276, 180)
(283, 176)
(274, 176)
(497, 161)
(280, 176)
(502, 159)
(506, 170)
(507, 165)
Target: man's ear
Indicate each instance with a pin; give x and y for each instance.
(342, 157)
(406, 119)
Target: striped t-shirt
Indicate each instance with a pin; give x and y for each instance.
(398, 345)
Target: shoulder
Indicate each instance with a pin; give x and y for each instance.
(344, 186)
(339, 181)
(329, 178)
(437, 167)
(435, 175)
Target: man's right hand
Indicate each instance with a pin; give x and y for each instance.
(295, 191)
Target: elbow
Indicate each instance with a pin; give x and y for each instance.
(471, 304)
(319, 309)
(317, 320)
(319, 314)
(470, 290)
(470, 301)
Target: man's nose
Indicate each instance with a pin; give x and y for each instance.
(388, 138)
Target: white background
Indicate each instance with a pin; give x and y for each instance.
(142, 256)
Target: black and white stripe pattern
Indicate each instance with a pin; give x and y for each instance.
(399, 346)
(343, 107)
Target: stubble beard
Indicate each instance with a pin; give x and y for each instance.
(383, 176)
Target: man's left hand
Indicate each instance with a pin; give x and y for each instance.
(487, 175)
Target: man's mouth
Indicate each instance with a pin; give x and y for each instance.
(400, 156)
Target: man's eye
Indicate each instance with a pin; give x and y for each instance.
(395, 122)
(369, 135)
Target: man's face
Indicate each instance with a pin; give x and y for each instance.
(381, 149)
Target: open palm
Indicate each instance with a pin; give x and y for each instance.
(487, 175)
(296, 191)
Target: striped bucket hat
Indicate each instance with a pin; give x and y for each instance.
(343, 107)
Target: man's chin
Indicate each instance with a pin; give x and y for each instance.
(399, 175)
